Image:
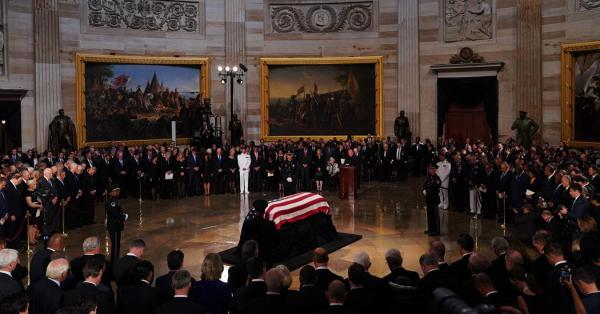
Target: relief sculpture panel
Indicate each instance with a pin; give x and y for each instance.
(466, 20)
(586, 5)
(147, 15)
(321, 17)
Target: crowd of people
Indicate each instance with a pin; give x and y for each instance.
(546, 197)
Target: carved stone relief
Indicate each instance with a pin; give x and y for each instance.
(586, 5)
(321, 17)
(468, 20)
(147, 15)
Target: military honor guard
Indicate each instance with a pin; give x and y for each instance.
(431, 190)
(115, 221)
(443, 171)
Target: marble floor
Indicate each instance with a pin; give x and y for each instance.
(386, 215)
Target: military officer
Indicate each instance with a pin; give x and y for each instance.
(289, 174)
(443, 171)
(431, 190)
(115, 221)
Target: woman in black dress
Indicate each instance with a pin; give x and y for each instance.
(231, 171)
(207, 173)
(33, 205)
(153, 174)
(180, 178)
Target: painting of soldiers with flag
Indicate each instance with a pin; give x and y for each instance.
(321, 97)
(133, 99)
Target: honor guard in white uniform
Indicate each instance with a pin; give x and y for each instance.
(443, 171)
(244, 161)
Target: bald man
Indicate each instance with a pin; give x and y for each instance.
(336, 294)
(47, 294)
(324, 275)
(41, 258)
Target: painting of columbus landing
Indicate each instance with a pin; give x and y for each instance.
(321, 99)
(133, 102)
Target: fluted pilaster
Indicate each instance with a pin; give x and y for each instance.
(47, 67)
(408, 62)
(235, 51)
(529, 58)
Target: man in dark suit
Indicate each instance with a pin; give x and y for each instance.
(218, 162)
(73, 191)
(256, 170)
(256, 289)
(460, 268)
(163, 283)
(16, 212)
(90, 248)
(194, 166)
(309, 299)
(578, 208)
(180, 304)
(360, 298)
(336, 294)
(47, 294)
(433, 278)
(305, 158)
(9, 259)
(272, 302)
(594, 178)
(498, 265)
(394, 260)
(123, 268)
(324, 275)
(438, 250)
(483, 284)
(89, 188)
(237, 274)
(556, 297)
(540, 266)
(503, 188)
(42, 257)
(139, 297)
(120, 172)
(90, 288)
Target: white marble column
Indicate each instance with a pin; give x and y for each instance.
(47, 68)
(235, 53)
(408, 62)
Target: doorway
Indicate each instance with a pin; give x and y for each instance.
(468, 108)
(10, 119)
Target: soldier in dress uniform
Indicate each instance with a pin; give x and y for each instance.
(289, 174)
(444, 168)
(431, 190)
(115, 221)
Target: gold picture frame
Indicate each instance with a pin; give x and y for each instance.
(81, 59)
(572, 98)
(265, 63)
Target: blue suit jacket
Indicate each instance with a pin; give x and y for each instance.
(578, 209)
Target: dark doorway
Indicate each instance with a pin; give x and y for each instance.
(10, 117)
(468, 108)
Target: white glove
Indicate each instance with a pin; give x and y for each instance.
(126, 216)
(424, 192)
(289, 179)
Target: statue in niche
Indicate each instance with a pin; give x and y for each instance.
(402, 127)
(526, 128)
(62, 133)
(468, 20)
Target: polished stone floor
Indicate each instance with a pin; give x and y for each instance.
(386, 215)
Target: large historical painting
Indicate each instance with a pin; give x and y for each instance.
(321, 97)
(135, 99)
(581, 93)
(468, 20)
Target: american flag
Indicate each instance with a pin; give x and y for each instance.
(295, 207)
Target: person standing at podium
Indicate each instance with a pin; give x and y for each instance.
(289, 174)
(431, 190)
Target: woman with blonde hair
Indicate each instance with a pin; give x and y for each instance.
(210, 291)
(287, 280)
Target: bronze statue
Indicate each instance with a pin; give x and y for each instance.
(526, 128)
(62, 133)
(402, 127)
(235, 127)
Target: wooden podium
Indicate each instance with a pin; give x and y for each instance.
(347, 181)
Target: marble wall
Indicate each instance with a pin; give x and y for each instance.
(411, 35)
